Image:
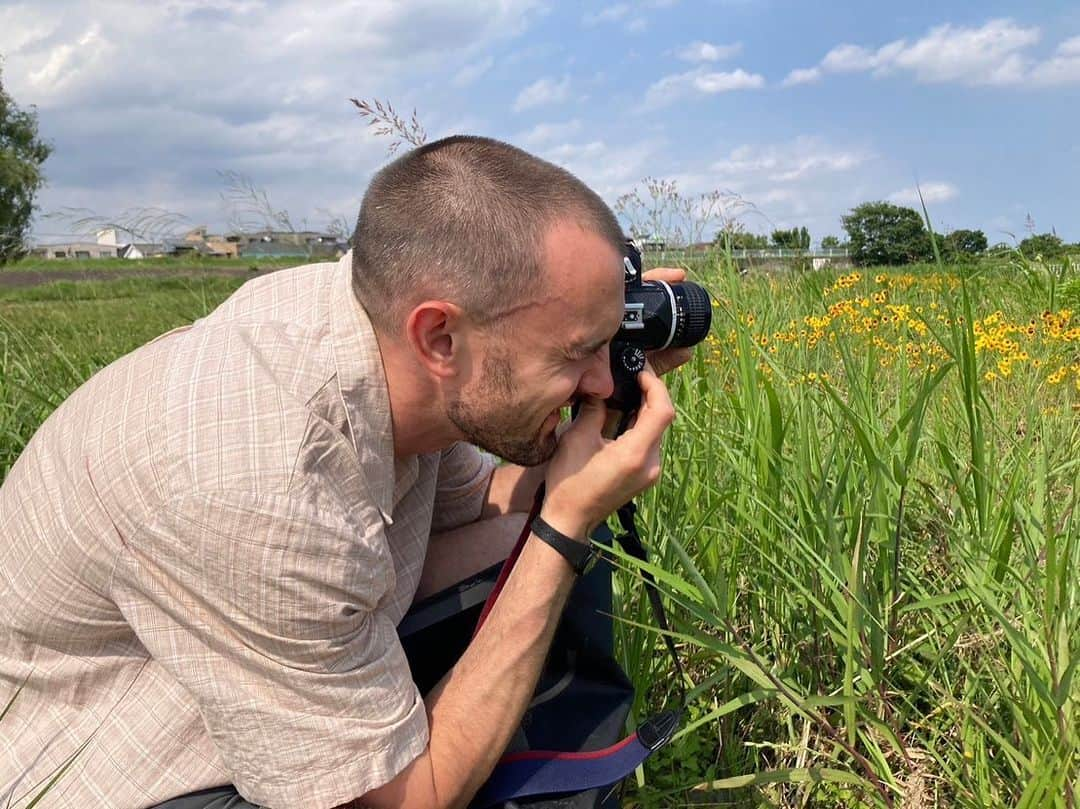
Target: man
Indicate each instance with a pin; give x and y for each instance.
(204, 552)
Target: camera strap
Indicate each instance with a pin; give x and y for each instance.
(544, 772)
(631, 542)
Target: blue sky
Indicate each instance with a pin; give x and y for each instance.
(804, 110)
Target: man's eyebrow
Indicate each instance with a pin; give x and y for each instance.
(590, 347)
(584, 349)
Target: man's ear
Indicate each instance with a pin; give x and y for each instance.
(434, 330)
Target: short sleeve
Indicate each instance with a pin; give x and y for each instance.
(464, 475)
(268, 611)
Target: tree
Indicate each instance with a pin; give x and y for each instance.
(794, 239)
(735, 235)
(965, 243)
(830, 241)
(883, 233)
(1047, 245)
(21, 154)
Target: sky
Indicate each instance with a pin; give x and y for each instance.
(802, 110)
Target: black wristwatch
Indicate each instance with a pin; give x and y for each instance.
(580, 555)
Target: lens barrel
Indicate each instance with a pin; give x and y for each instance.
(693, 314)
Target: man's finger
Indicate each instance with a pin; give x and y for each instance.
(670, 274)
(669, 359)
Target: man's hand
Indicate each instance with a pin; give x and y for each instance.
(590, 476)
(667, 359)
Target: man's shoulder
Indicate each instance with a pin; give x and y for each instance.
(238, 399)
(295, 294)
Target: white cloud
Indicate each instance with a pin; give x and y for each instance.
(608, 169)
(70, 61)
(848, 58)
(788, 162)
(997, 53)
(931, 192)
(472, 71)
(1070, 47)
(987, 55)
(22, 27)
(78, 60)
(545, 133)
(732, 80)
(145, 101)
(612, 13)
(707, 52)
(807, 75)
(671, 88)
(624, 13)
(1062, 68)
(541, 92)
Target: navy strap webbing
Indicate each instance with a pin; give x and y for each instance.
(545, 772)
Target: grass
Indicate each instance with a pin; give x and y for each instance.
(55, 336)
(868, 536)
(867, 532)
(183, 264)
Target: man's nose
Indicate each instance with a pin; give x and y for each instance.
(597, 380)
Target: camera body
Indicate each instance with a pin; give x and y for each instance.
(657, 315)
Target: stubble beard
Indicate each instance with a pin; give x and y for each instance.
(489, 417)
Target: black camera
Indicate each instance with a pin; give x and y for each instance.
(657, 315)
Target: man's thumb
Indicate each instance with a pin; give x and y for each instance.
(591, 412)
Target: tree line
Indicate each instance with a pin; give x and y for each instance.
(885, 234)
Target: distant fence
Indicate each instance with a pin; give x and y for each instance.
(790, 252)
(764, 255)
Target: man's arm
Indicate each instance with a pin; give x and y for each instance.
(473, 711)
(456, 555)
(512, 489)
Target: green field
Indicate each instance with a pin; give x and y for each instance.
(183, 264)
(867, 529)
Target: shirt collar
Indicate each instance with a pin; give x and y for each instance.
(362, 384)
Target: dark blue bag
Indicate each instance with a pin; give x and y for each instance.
(580, 706)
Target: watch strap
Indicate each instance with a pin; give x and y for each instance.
(578, 554)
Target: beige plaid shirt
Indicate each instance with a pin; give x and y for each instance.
(204, 554)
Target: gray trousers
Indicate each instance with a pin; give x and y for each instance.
(215, 798)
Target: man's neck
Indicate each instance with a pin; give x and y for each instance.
(415, 411)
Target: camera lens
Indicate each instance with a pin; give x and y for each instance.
(693, 314)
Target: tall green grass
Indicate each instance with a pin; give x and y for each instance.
(55, 336)
(876, 580)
